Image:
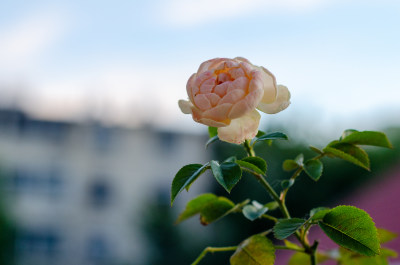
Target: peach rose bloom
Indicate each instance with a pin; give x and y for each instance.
(225, 93)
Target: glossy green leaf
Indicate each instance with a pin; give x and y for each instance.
(257, 164)
(351, 228)
(287, 183)
(386, 235)
(212, 140)
(289, 165)
(316, 150)
(300, 258)
(254, 211)
(256, 250)
(313, 169)
(318, 213)
(367, 138)
(348, 152)
(270, 136)
(227, 174)
(381, 259)
(212, 131)
(286, 227)
(299, 159)
(209, 206)
(272, 205)
(185, 177)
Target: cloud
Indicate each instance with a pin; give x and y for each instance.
(25, 41)
(186, 13)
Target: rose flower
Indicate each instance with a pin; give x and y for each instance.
(225, 93)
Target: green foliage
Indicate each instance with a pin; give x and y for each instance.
(348, 152)
(287, 183)
(269, 136)
(209, 206)
(313, 168)
(292, 164)
(385, 235)
(227, 174)
(300, 258)
(254, 163)
(316, 150)
(347, 147)
(185, 177)
(366, 138)
(349, 258)
(254, 211)
(271, 205)
(256, 250)
(318, 213)
(286, 227)
(289, 165)
(351, 228)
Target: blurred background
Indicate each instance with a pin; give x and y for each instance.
(91, 135)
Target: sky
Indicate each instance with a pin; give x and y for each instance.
(127, 62)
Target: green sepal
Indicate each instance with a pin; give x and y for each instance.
(185, 177)
(351, 228)
(285, 227)
(313, 169)
(227, 174)
(209, 206)
(255, 250)
(212, 140)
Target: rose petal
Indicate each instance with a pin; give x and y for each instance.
(185, 106)
(233, 96)
(191, 91)
(213, 98)
(218, 113)
(241, 83)
(222, 88)
(245, 127)
(207, 85)
(247, 104)
(236, 73)
(208, 64)
(202, 102)
(282, 102)
(270, 88)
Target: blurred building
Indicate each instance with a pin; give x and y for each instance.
(75, 191)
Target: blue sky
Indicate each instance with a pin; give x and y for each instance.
(128, 61)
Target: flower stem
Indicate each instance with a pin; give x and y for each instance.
(249, 148)
(212, 250)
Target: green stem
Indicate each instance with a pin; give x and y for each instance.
(249, 148)
(212, 250)
(290, 248)
(313, 253)
(269, 217)
(274, 195)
